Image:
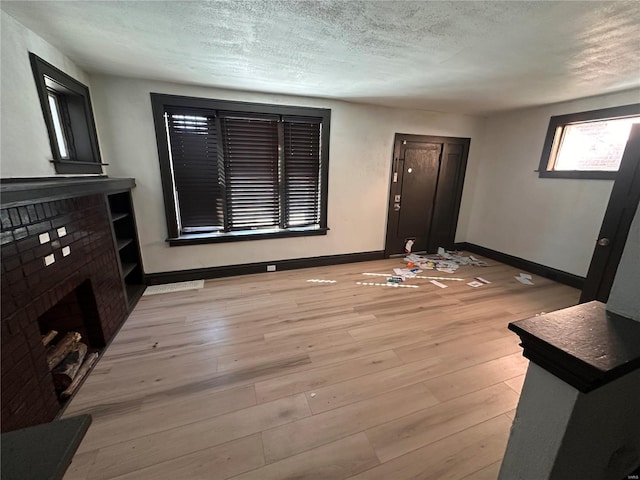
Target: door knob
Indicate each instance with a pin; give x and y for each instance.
(603, 242)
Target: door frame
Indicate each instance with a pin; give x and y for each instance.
(620, 212)
(395, 162)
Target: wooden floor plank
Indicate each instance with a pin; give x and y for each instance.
(173, 412)
(489, 472)
(366, 386)
(452, 457)
(516, 383)
(141, 452)
(395, 438)
(293, 438)
(504, 369)
(293, 383)
(194, 379)
(335, 461)
(216, 463)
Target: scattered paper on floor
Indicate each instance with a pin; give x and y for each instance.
(524, 278)
(396, 285)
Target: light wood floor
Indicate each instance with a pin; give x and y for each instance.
(270, 377)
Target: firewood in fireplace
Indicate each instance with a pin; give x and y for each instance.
(62, 348)
(86, 366)
(46, 339)
(66, 370)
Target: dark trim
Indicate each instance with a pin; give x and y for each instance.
(166, 174)
(261, 267)
(200, 239)
(159, 103)
(561, 120)
(551, 273)
(621, 209)
(235, 106)
(83, 138)
(76, 162)
(22, 191)
(585, 346)
(402, 139)
(71, 167)
(577, 174)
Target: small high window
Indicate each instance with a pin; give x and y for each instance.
(58, 126)
(66, 107)
(587, 144)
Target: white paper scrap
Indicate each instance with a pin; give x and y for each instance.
(392, 285)
(442, 278)
(445, 270)
(525, 275)
(524, 280)
(404, 272)
(438, 284)
(483, 280)
(475, 284)
(415, 258)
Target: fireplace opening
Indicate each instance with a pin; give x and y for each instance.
(73, 339)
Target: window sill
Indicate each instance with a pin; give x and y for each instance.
(202, 238)
(77, 167)
(584, 175)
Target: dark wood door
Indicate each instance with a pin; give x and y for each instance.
(621, 209)
(426, 188)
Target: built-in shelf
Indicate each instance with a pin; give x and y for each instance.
(125, 237)
(127, 268)
(134, 292)
(123, 242)
(118, 216)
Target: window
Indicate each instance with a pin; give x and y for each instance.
(241, 171)
(587, 144)
(68, 115)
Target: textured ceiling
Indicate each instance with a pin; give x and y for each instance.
(472, 57)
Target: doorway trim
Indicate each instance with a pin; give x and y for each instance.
(621, 208)
(459, 181)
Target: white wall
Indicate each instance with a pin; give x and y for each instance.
(624, 298)
(505, 205)
(560, 433)
(25, 150)
(361, 147)
(550, 221)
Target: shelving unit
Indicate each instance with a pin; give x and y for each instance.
(125, 237)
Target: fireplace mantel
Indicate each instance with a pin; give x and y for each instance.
(24, 191)
(59, 245)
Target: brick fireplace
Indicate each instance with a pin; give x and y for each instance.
(59, 271)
